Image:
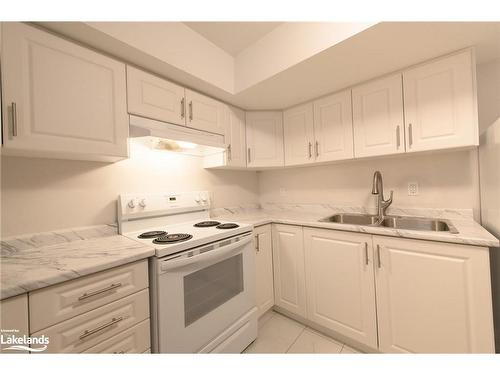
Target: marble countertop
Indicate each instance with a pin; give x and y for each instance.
(469, 231)
(31, 262)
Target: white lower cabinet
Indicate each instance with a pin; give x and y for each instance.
(433, 297)
(264, 283)
(390, 294)
(289, 273)
(13, 318)
(340, 286)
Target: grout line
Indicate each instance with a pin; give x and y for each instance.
(294, 341)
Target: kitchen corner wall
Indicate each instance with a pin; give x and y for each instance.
(46, 194)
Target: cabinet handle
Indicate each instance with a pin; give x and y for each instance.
(120, 352)
(88, 333)
(410, 135)
(92, 294)
(229, 155)
(191, 110)
(310, 150)
(366, 253)
(257, 248)
(317, 148)
(14, 119)
(398, 140)
(379, 263)
(183, 107)
(249, 155)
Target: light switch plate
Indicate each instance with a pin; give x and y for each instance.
(413, 188)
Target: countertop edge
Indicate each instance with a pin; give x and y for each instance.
(407, 234)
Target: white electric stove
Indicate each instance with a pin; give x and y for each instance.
(202, 277)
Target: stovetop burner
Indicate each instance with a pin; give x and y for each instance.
(227, 226)
(205, 224)
(172, 238)
(152, 234)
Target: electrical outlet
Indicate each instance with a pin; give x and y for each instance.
(282, 191)
(413, 188)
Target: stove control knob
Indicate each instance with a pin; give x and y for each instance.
(142, 203)
(131, 203)
(204, 199)
(197, 199)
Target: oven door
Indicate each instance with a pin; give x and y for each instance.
(200, 296)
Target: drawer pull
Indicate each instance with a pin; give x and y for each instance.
(120, 352)
(366, 253)
(14, 119)
(103, 290)
(88, 333)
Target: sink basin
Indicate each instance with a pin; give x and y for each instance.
(396, 222)
(418, 223)
(357, 219)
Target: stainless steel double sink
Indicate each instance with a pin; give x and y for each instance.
(396, 222)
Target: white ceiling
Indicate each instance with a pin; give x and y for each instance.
(233, 37)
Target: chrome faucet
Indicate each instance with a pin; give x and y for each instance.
(378, 189)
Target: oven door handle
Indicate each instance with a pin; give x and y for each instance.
(222, 252)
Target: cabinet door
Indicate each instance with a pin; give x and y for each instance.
(440, 104)
(289, 273)
(340, 283)
(60, 99)
(153, 97)
(378, 117)
(264, 268)
(204, 113)
(333, 127)
(298, 135)
(264, 139)
(433, 297)
(14, 316)
(235, 138)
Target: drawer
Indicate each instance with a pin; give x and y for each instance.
(133, 340)
(87, 330)
(63, 301)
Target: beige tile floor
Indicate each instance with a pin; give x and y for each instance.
(279, 334)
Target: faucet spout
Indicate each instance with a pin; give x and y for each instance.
(378, 190)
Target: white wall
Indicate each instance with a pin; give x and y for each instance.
(446, 180)
(488, 78)
(46, 194)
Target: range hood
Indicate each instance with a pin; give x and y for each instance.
(176, 138)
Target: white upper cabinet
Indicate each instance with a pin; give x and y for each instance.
(204, 113)
(433, 297)
(440, 104)
(264, 139)
(235, 138)
(153, 97)
(378, 117)
(60, 99)
(333, 127)
(299, 135)
(339, 279)
(289, 272)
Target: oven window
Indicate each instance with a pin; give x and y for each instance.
(210, 287)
